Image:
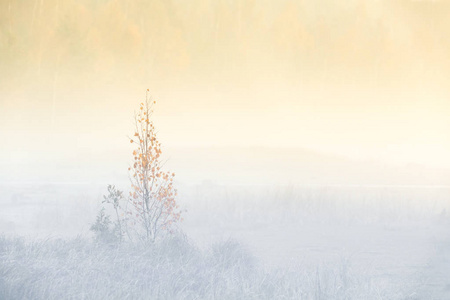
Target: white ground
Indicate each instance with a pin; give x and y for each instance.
(395, 238)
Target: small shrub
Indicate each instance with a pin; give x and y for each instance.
(104, 230)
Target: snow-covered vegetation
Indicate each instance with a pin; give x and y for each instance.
(171, 269)
(239, 242)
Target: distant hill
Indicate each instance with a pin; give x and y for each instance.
(257, 165)
(229, 165)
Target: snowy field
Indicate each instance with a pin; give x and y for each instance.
(339, 242)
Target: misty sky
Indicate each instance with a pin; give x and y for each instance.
(362, 79)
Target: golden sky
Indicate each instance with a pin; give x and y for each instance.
(362, 79)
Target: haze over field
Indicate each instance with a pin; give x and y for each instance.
(366, 80)
(309, 142)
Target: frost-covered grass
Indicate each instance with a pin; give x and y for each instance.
(293, 243)
(170, 269)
